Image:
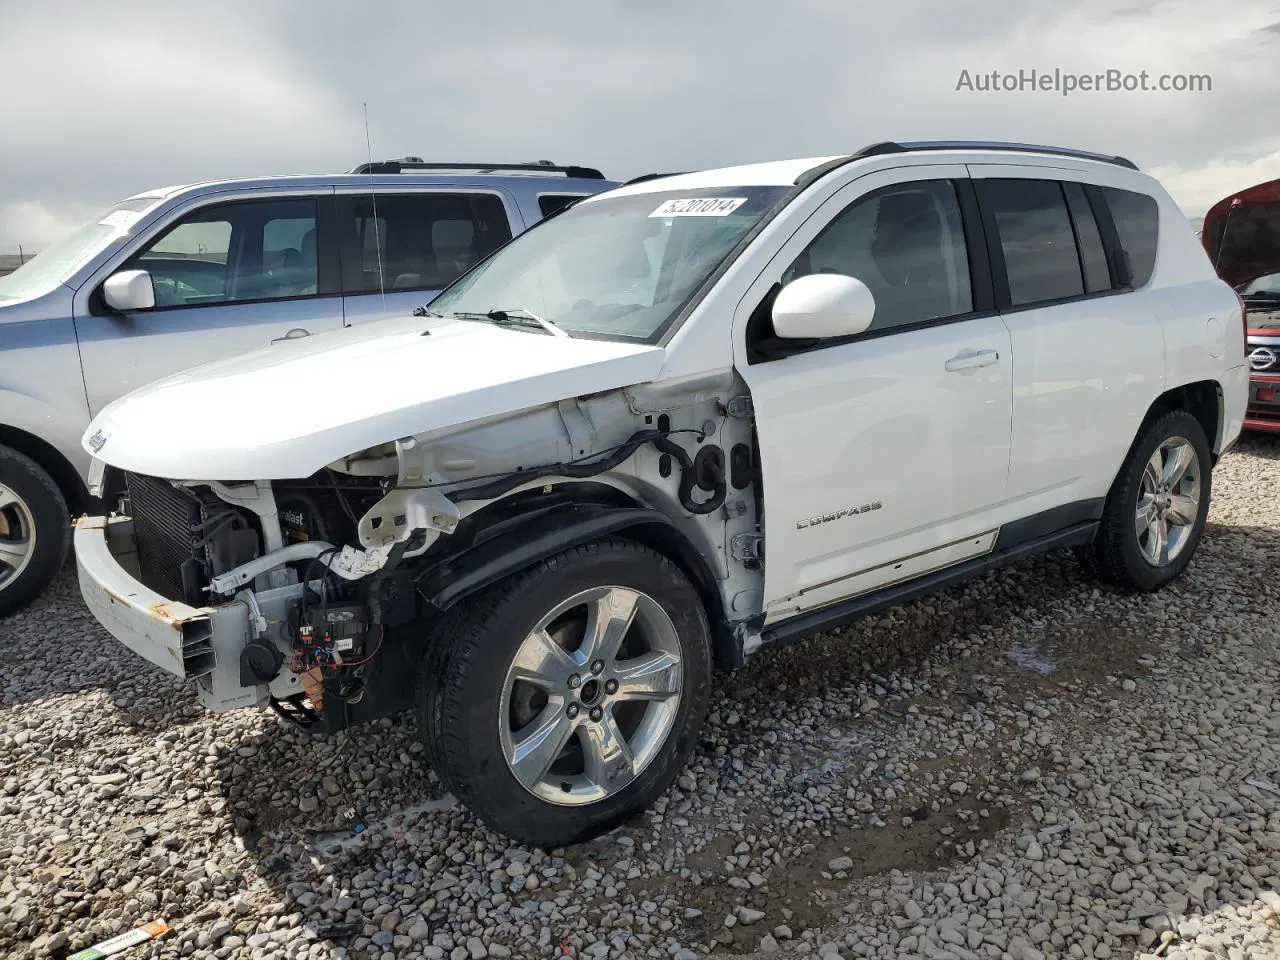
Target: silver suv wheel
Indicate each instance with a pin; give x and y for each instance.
(591, 695)
(17, 535)
(1168, 501)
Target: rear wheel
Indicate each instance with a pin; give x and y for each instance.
(565, 698)
(35, 530)
(1157, 508)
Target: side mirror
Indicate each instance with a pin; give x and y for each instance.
(823, 305)
(129, 290)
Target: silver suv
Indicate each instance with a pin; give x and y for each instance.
(178, 276)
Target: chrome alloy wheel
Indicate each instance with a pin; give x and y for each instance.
(1168, 501)
(17, 535)
(591, 696)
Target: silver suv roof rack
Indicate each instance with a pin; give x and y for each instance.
(912, 146)
(417, 163)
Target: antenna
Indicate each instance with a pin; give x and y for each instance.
(373, 196)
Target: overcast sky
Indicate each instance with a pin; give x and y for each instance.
(99, 101)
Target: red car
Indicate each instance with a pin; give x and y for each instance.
(1242, 236)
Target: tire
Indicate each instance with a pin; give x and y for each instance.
(472, 714)
(32, 512)
(1125, 555)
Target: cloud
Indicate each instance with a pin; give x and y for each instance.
(1197, 189)
(32, 225)
(115, 100)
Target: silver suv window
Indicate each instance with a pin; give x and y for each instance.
(231, 252)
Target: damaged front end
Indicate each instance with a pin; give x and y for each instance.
(319, 595)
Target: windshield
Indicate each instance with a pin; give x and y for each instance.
(615, 266)
(46, 270)
(1268, 286)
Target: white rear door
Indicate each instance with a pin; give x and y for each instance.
(1088, 357)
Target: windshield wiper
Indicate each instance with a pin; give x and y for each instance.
(515, 317)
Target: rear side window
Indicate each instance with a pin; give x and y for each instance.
(549, 203)
(1035, 235)
(906, 243)
(1137, 220)
(1093, 255)
(419, 241)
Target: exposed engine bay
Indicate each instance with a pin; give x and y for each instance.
(343, 572)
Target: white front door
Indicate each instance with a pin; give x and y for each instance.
(882, 455)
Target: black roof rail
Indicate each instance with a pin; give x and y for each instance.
(913, 146)
(648, 176)
(417, 163)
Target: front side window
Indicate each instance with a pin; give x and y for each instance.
(1034, 230)
(615, 266)
(420, 241)
(1137, 220)
(906, 243)
(259, 250)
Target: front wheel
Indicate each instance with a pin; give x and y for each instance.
(35, 530)
(1157, 508)
(567, 697)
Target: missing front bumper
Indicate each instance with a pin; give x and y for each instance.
(202, 644)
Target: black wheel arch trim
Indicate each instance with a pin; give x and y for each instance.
(50, 459)
(542, 533)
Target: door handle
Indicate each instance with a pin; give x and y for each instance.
(971, 360)
(297, 333)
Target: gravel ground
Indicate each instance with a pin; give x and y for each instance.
(1027, 767)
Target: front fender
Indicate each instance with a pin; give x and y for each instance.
(540, 534)
(545, 532)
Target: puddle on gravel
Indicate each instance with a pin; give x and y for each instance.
(1032, 658)
(811, 892)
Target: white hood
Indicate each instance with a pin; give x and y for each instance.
(289, 409)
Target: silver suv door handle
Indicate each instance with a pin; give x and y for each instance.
(297, 333)
(971, 360)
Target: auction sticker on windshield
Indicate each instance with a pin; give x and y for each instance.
(699, 207)
(120, 219)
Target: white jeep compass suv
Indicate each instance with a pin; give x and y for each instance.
(676, 424)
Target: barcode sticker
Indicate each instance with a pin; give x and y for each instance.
(699, 207)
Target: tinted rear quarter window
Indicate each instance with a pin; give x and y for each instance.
(549, 203)
(1035, 234)
(1137, 220)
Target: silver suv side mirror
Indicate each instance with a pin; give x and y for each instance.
(823, 305)
(128, 290)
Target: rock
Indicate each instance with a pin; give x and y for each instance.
(840, 864)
